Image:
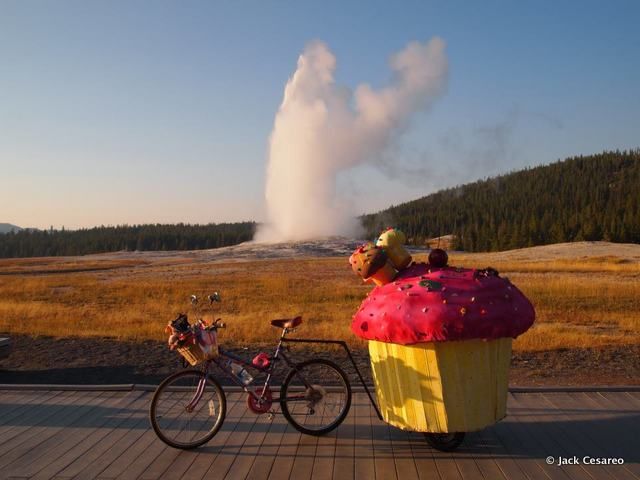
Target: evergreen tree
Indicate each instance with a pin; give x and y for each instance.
(35, 243)
(591, 197)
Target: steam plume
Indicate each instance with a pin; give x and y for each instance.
(322, 129)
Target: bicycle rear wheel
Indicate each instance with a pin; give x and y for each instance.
(187, 409)
(315, 397)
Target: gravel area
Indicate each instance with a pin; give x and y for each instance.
(107, 361)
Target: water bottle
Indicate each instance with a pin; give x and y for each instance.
(245, 377)
(240, 373)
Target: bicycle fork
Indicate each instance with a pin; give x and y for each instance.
(197, 395)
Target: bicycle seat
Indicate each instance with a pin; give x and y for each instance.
(287, 322)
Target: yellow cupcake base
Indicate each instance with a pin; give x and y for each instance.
(442, 387)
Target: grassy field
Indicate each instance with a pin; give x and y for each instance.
(580, 302)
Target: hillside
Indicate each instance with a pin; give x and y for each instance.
(595, 197)
(586, 198)
(8, 227)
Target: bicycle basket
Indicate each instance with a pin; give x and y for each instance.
(193, 353)
(197, 345)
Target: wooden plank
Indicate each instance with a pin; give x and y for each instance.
(138, 425)
(446, 466)
(363, 459)
(615, 398)
(25, 403)
(614, 432)
(325, 457)
(29, 416)
(56, 441)
(634, 399)
(571, 430)
(125, 387)
(247, 453)
(493, 459)
(591, 430)
(264, 461)
(71, 432)
(284, 458)
(180, 464)
(403, 454)
(166, 455)
(226, 456)
(514, 437)
(13, 401)
(123, 404)
(549, 418)
(540, 441)
(465, 462)
(64, 413)
(156, 460)
(304, 457)
(236, 408)
(325, 451)
(344, 465)
(129, 424)
(385, 467)
(141, 464)
(134, 458)
(635, 395)
(21, 424)
(99, 439)
(423, 457)
(68, 438)
(617, 432)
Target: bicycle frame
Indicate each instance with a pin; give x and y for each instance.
(226, 355)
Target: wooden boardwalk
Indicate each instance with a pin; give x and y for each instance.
(106, 434)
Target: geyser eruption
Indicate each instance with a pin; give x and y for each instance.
(322, 129)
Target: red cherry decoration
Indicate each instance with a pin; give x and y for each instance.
(438, 258)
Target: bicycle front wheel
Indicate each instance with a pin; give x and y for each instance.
(187, 409)
(315, 397)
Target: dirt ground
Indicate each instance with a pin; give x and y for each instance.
(106, 361)
(593, 315)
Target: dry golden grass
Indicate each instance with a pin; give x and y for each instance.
(33, 266)
(596, 264)
(579, 302)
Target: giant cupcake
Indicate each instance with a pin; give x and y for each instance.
(440, 344)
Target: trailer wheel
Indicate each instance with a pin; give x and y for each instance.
(445, 442)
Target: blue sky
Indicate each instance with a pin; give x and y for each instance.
(139, 111)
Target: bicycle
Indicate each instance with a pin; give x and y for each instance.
(189, 407)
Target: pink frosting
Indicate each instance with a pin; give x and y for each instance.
(426, 304)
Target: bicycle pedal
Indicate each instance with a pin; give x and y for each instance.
(271, 415)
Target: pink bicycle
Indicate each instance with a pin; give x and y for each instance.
(188, 408)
